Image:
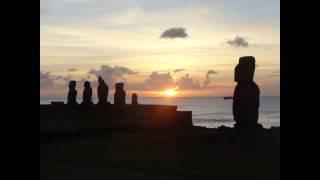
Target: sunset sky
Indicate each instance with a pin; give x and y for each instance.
(156, 46)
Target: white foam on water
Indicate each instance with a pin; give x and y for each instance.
(209, 112)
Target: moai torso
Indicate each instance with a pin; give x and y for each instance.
(119, 95)
(134, 99)
(103, 90)
(246, 104)
(87, 94)
(72, 94)
(246, 94)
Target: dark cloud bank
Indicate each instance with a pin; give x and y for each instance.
(179, 70)
(72, 70)
(207, 79)
(111, 75)
(176, 32)
(46, 80)
(238, 42)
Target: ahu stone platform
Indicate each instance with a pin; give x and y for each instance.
(63, 118)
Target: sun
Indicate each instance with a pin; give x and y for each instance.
(170, 92)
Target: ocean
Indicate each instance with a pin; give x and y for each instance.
(209, 112)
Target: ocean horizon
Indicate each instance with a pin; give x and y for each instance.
(207, 111)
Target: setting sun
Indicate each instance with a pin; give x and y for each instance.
(170, 92)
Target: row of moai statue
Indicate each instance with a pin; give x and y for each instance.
(246, 94)
(102, 90)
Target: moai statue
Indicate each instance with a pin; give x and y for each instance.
(87, 94)
(134, 99)
(72, 94)
(103, 90)
(246, 94)
(119, 95)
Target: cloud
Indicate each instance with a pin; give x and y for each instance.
(72, 70)
(179, 70)
(46, 80)
(207, 79)
(186, 82)
(58, 77)
(158, 81)
(49, 81)
(176, 32)
(161, 81)
(275, 74)
(111, 75)
(155, 81)
(238, 42)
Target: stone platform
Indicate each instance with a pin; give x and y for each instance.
(63, 118)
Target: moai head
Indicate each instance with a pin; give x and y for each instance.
(134, 99)
(101, 81)
(87, 84)
(119, 86)
(72, 85)
(244, 71)
(119, 95)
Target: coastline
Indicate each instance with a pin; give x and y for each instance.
(150, 141)
(201, 153)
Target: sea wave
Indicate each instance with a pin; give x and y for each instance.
(212, 120)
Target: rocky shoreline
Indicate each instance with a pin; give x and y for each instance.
(200, 153)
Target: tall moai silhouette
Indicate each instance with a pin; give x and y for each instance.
(103, 91)
(72, 94)
(134, 100)
(246, 94)
(119, 95)
(87, 94)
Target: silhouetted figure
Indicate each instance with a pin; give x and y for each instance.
(87, 94)
(134, 99)
(246, 94)
(119, 95)
(72, 94)
(103, 90)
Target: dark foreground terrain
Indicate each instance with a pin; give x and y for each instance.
(198, 153)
